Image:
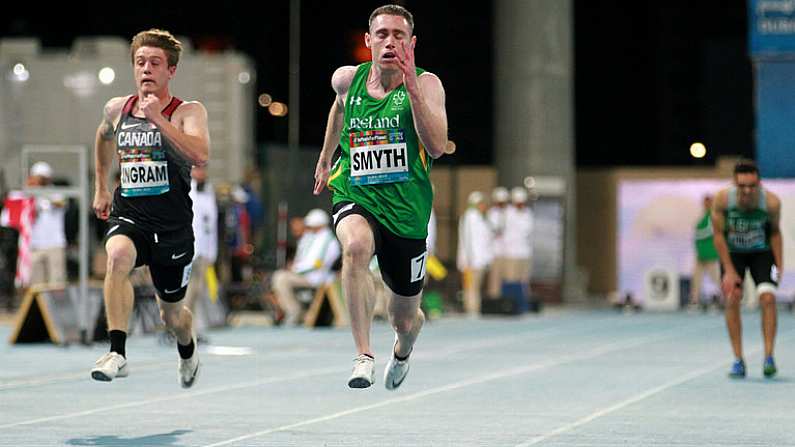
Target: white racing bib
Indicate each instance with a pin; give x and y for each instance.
(144, 178)
(378, 156)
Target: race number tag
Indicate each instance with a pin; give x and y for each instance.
(378, 156)
(144, 178)
(418, 267)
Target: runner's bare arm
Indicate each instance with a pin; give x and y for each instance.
(427, 101)
(776, 245)
(340, 82)
(192, 138)
(104, 147)
(731, 280)
(430, 116)
(718, 227)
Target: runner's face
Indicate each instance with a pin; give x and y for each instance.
(152, 73)
(747, 188)
(384, 39)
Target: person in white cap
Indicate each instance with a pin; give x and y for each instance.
(316, 253)
(519, 238)
(497, 218)
(47, 236)
(474, 250)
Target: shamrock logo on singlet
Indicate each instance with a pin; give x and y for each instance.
(398, 98)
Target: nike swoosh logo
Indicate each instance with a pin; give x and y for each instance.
(125, 126)
(175, 256)
(114, 228)
(172, 291)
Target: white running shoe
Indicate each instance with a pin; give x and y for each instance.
(188, 370)
(109, 366)
(396, 370)
(363, 372)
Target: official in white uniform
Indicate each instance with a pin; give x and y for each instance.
(497, 219)
(316, 253)
(47, 236)
(519, 238)
(205, 231)
(474, 250)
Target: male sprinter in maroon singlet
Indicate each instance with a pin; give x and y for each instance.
(158, 138)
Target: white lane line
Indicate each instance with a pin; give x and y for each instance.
(183, 395)
(458, 385)
(69, 376)
(620, 405)
(319, 372)
(154, 366)
(534, 334)
(632, 400)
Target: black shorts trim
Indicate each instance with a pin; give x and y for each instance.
(169, 255)
(401, 260)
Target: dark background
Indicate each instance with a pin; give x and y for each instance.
(650, 77)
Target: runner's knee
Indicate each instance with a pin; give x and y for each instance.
(357, 250)
(767, 299)
(172, 316)
(121, 258)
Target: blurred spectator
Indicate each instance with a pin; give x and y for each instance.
(237, 233)
(256, 211)
(297, 228)
(497, 219)
(19, 211)
(706, 254)
(47, 236)
(205, 230)
(317, 252)
(518, 236)
(474, 250)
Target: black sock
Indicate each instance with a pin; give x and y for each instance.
(402, 359)
(186, 351)
(117, 340)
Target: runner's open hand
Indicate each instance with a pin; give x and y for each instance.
(405, 58)
(321, 175)
(731, 284)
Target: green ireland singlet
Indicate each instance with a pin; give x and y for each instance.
(747, 230)
(705, 247)
(383, 167)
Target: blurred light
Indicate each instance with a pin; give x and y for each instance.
(277, 109)
(20, 73)
(264, 100)
(82, 83)
(698, 150)
(450, 147)
(529, 182)
(244, 77)
(106, 75)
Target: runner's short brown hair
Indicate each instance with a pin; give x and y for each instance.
(157, 38)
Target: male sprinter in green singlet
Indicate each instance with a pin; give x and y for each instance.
(745, 219)
(389, 119)
(158, 137)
